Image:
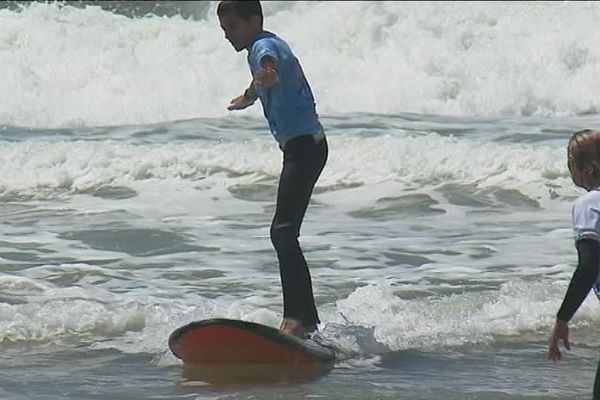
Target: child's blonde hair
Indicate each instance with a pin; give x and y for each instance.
(583, 155)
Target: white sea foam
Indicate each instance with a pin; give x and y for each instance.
(370, 320)
(68, 67)
(519, 307)
(133, 321)
(389, 162)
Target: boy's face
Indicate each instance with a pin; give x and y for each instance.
(238, 31)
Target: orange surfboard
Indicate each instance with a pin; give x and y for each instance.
(226, 350)
(230, 341)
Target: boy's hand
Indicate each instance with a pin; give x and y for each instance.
(265, 78)
(239, 103)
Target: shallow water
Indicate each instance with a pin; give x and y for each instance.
(433, 276)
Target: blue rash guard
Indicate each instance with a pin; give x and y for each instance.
(288, 105)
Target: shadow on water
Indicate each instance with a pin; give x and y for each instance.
(396, 207)
(135, 241)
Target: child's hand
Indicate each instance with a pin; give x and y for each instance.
(239, 103)
(560, 331)
(265, 78)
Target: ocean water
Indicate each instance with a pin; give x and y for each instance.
(439, 235)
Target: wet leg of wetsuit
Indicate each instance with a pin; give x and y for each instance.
(303, 161)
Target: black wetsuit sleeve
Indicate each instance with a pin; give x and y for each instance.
(583, 279)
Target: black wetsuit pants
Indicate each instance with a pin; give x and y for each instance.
(303, 160)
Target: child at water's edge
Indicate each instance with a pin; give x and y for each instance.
(583, 154)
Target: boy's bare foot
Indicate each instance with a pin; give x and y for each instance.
(310, 329)
(293, 327)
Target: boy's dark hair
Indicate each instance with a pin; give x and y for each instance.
(245, 9)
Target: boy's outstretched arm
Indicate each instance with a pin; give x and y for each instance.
(265, 78)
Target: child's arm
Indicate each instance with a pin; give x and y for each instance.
(265, 78)
(583, 279)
